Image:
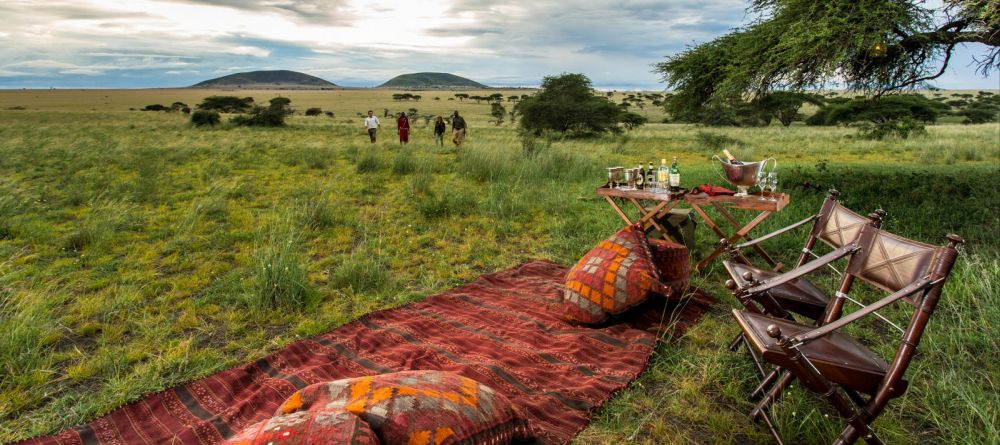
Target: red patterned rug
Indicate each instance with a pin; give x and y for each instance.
(504, 330)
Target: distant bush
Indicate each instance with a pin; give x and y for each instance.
(368, 162)
(226, 104)
(715, 141)
(314, 112)
(632, 120)
(329, 114)
(155, 107)
(261, 117)
(903, 128)
(202, 118)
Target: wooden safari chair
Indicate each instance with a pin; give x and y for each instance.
(833, 363)
(834, 225)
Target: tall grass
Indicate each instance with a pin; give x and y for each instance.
(278, 275)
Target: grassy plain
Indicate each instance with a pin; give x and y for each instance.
(138, 252)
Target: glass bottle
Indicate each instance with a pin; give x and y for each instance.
(675, 176)
(663, 174)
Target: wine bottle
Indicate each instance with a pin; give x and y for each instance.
(650, 175)
(675, 176)
(663, 174)
(730, 157)
(640, 182)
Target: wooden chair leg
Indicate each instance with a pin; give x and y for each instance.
(772, 395)
(737, 341)
(770, 426)
(801, 365)
(765, 385)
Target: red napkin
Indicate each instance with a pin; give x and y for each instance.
(714, 190)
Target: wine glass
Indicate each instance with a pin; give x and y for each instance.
(611, 177)
(772, 183)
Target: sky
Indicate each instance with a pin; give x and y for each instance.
(176, 43)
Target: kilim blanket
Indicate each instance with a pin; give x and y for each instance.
(504, 330)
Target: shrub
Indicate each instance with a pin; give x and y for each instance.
(314, 111)
(202, 118)
(226, 104)
(715, 141)
(155, 107)
(902, 128)
(632, 120)
(261, 117)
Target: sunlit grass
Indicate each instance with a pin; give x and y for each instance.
(138, 252)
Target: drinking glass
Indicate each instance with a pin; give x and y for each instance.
(772, 183)
(611, 177)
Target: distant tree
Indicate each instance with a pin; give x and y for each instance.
(498, 112)
(565, 104)
(201, 118)
(329, 114)
(281, 104)
(437, 98)
(513, 98)
(884, 109)
(632, 121)
(155, 107)
(417, 97)
(270, 116)
(785, 105)
(314, 111)
(461, 96)
(186, 110)
(226, 104)
(177, 106)
(495, 97)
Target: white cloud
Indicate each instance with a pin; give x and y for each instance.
(249, 51)
(9, 73)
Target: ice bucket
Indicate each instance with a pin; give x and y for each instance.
(744, 175)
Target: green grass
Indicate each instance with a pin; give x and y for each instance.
(138, 252)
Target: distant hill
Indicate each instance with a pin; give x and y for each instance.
(431, 81)
(280, 79)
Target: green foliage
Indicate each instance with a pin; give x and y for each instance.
(454, 202)
(884, 109)
(566, 103)
(368, 161)
(262, 117)
(498, 112)
(226, 104)
(798, 44)
(632, 120)
(901, 127)
(784, 105)
(403, 163)
(201, 118)
(715, 141)
(314, 111)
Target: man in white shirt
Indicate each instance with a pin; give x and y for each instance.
(371, 123)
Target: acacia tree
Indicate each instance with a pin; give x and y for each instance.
(870, 45)
(567, 103)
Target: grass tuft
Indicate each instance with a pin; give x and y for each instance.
(278, 278)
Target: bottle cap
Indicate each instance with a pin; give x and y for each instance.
(663, 161)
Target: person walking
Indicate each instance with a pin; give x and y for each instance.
(371, 123)
(458, 129)
(439, 128)
(403, 128)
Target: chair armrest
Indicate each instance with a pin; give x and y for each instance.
(808, 336)
(776, 233)
(800, 271)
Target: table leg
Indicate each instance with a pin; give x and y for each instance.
(649, 216)
(618, 210)
(745, 231)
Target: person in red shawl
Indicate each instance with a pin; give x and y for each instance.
(403, 128)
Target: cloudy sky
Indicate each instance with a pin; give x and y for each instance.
(169, 43)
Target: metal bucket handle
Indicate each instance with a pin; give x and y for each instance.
(719, 172)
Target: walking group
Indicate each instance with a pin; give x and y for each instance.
(458, 128)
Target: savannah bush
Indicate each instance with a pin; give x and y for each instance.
(202, 118)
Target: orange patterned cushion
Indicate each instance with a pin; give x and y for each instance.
(674, 264)
(419, 408)
(613, 277)
(320, 427)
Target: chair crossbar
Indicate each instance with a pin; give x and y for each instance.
(814, 255)
(880, 316)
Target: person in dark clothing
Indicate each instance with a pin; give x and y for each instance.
(458, 129)
(439, 128)
(403, 128)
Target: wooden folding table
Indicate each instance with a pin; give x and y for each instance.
(653, 206)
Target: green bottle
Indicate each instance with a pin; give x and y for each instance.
(675, 176)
